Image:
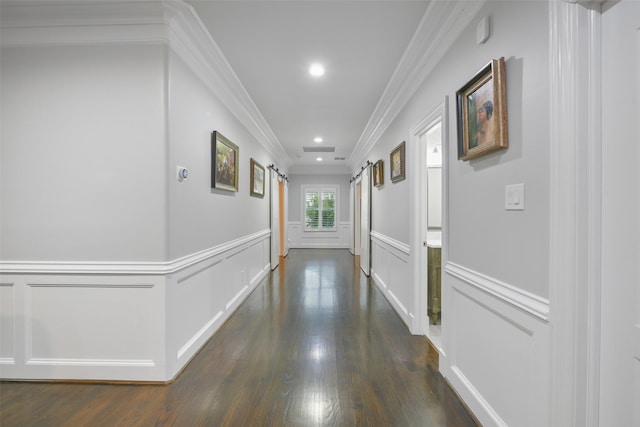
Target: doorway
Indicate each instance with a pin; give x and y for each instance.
(357, 217)
(276, 208)
(365, 220)
(429, 137)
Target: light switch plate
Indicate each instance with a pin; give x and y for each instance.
(514, 197)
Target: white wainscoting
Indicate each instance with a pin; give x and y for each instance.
(339, 239)
(391, 272)
(496, 341)
(117, 321)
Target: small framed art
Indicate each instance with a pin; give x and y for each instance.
(257, 179)
(397, 162)
(224, 163)
(378, 174)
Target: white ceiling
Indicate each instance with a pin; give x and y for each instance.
(271, 44)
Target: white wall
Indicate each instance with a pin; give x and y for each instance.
(620, 310)
(83, 153)
(111, 268)
(495, 286)
(201, 217)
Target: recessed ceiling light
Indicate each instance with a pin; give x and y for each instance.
(319, 159)
(316, 70)
(317, 139)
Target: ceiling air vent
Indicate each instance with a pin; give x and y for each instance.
(339, 158)
(318, 149)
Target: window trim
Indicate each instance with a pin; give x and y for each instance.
(317, 188)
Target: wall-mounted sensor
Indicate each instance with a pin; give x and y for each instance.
(483, 30)
(183, 173)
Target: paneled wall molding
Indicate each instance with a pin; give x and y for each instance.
(339, 239)
(402, 247)
(390, 271)
(97, 323)
(440, 26)
(523, 300)
(171, 22)
(512, 343)
(128, 268)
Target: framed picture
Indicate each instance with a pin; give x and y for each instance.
(257, 179)
(378, 175)
(224, 163)
(482, 112)
(397, 161)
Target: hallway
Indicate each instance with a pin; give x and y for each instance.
(315, 344)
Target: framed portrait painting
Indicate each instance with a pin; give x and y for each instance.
(482, 112)
(256, 179)
(397, 162)
(224, 163)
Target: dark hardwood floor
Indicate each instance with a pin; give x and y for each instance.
(315, 344)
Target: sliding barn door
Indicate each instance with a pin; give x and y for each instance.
(365, 220)
(274, 191)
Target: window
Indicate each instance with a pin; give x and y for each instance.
(320, 209)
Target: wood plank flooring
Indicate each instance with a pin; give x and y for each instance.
(315, 344)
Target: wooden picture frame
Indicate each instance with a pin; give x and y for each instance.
(224, 163)
(256, 179)
(482, 112)
(397, 163)
(378, 173)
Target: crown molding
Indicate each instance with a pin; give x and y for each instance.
(171, 22)
(190, 39)
(47, 23)
(440, 26)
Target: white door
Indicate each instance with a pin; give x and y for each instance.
(275, 219)
(636, 326)
(285, 215)
(357, 195)
(620, 290)
(352, 247)
(365, 220)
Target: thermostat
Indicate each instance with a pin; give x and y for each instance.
(183, 173)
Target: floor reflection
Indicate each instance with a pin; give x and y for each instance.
(316, 343)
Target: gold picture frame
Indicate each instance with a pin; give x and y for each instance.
(224, 163)
(482, 112)
(397, 163)
(378, 174)
(256, 179)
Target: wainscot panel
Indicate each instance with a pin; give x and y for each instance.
(390, 270)
(99, 327)
(496, 341)
(205, 294)
(339, 239)
(117, 322)
(7, 323)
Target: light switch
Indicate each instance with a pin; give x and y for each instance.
(514, 197)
